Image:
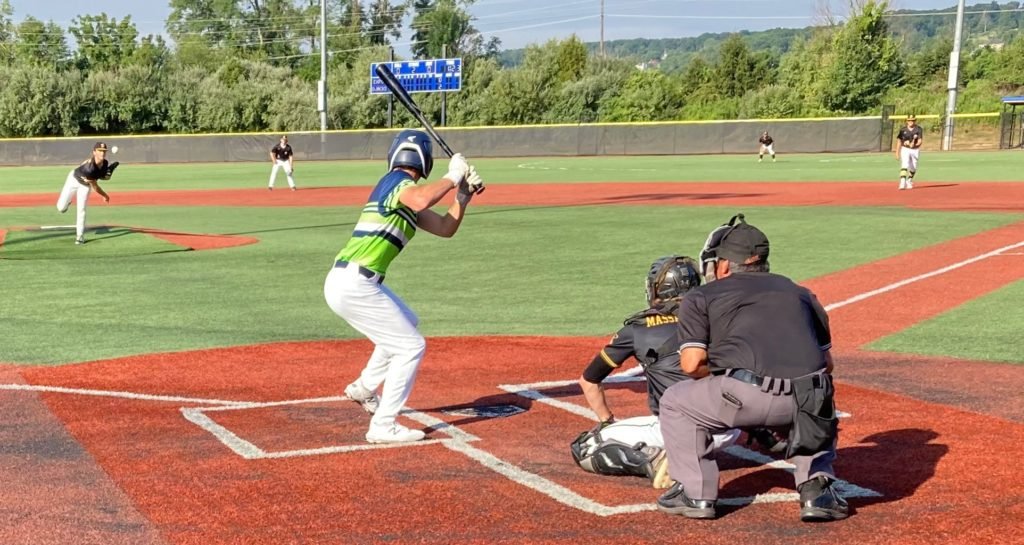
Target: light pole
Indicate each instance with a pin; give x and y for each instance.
(602, 28)
(321, 87)
(954, 68)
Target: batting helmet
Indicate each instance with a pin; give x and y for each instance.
(412, 149)
(670, 277)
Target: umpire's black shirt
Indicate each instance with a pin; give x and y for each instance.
(653, 339)
(762, 322)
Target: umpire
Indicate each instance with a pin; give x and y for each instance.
(759, 345)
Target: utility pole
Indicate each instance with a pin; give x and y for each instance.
(321, 88)
(954, 68)
(602, 28)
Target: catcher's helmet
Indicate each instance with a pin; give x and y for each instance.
(412, 149)
(670, 277)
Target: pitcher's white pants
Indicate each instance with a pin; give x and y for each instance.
(287, 170)
(74, 190)
(375, 311)
(647, 430)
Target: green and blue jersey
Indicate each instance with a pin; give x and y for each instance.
(385, 226)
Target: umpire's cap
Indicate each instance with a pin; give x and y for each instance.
(743, 243)
(99, 146)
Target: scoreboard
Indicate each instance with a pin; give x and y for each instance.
(424, 76)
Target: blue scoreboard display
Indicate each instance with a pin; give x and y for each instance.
(426, 76)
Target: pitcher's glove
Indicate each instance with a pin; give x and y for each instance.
(110, 170)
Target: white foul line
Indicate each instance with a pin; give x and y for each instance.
(911, 280)
(121, 395)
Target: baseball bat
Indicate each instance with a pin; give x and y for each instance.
(389, 79)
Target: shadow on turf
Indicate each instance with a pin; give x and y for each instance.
(527, 403)
(894, 463)
(298, 228)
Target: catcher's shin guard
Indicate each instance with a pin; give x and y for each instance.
(612, 457)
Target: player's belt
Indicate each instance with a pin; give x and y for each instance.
(363, 271)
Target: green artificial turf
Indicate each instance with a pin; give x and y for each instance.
(987, 328)
(511, 270)
(935, 167)
(101, 242)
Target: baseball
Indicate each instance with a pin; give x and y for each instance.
(113, 149)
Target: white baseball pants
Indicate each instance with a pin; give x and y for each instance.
(647, 430)
(769, 149)
(287, 170)
(375, 311)
(78, 192)
(908, 158)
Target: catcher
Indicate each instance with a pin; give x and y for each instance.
(634, 446)
(908, 149)
(82, 181)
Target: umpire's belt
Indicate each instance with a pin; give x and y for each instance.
(363, 271)
(775, 386)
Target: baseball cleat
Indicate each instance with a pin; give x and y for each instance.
(397, 433)
(80, 240)
(364, 397)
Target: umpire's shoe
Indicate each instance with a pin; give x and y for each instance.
(675, 502)
(819, 502)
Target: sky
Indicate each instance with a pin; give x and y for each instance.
(521, 22)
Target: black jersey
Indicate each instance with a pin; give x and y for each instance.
(282, 153)
(89, 171)
(766, 140)
(911, 138)
(653, 339)
(761, 322)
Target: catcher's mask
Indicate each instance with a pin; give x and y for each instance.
(670, 277)
(709, 254)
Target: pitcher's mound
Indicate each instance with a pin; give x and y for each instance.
(58, 242)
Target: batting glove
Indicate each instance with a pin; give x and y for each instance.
(474, 181)
(457, 169)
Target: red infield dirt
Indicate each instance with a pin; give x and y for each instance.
(1001, 196)
(928, 450)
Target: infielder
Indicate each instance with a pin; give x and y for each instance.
(354, 288)
(80, 183)
(635, 446)
(281, 156)
(908, 148)
(767, 145)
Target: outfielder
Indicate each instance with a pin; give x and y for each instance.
(80, 183)
(908, 143)
(767, 145)
(281, 156)
(354, 288)
(635, 446)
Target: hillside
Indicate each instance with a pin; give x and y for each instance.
(984, 24)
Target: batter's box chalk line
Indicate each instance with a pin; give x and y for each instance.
(533, 392)
(458, 441)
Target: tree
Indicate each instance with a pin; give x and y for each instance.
(384, 20)
(40, 44)
(866, 62)
(440, 23)
(648, 95)
(256, 29)
(7, 33)
(103, 42)
(736, 70)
